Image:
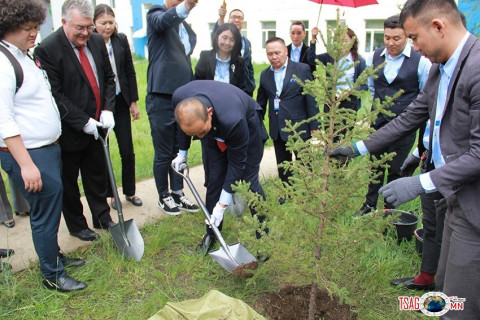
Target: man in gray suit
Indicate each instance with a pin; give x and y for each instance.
(451, 102)
(170, 43)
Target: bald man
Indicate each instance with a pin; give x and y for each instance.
(230, 122)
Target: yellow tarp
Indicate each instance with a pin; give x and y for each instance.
(213, 305)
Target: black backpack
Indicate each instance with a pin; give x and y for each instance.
(16, 67)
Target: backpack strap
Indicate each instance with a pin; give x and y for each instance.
(17, 68)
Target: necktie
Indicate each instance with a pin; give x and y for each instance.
(296, 55)
(87, 67)
(222, 145)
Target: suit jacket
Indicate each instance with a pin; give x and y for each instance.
(206, 65)
(303, 55)
(459, 129)
(247, 56)
(125, 69)
(236, 119)
(71, 88)
(294, 105)
(168, 65)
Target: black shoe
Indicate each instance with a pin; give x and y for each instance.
(168, 205)
(364, 210)
(184, 204)
(86, 235)
(104, 225)
(6, 252)
(71, 262)
(113, 204)
(27, 213)
(206, 245)
(64, 284)
(136, 201)
(9, 224)
(5, 266)
(410, 284)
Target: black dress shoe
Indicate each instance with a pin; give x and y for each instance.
(86, 235)
(206, 245)
(136, 201)
(410, 284)
(5, 266)
(64, 284)
(71, 262)
(27, 213)
(104, 225)
(10, 224)
(6, 252)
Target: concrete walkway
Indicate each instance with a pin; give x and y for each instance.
(19, 238)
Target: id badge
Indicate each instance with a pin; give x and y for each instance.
(276, 103)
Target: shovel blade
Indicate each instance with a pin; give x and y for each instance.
(239, 253)
(133, 246)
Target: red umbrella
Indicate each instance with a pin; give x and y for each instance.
(344, 3)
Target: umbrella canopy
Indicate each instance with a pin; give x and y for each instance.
(347, 3)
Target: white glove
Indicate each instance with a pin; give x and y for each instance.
(91, 127)
(178, 161)
(217, 215)
(106, 118)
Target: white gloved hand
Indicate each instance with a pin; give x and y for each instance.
(91, 127)
(178, 161)
(106, 118)
(217, 215)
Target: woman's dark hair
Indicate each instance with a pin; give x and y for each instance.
(14, 13)
(354, 48)
(104, 9)
(237, 47)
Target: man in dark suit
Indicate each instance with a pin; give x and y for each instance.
(230, 121)
(297, 50)
(450, 101)
(170, 43)
(237, 18)
(83, 86)
(285, 99)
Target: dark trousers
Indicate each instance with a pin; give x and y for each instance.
(123, 132)
(90, 162)
(45, 206)
(402, 147)
(433, 209)
(281, 155)
(164, 131)
(218, 166)
(459, 264)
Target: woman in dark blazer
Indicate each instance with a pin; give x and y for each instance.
(127, 95)
(224, 62)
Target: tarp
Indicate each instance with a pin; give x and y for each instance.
(213, 305)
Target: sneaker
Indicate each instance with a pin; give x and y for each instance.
(184, 204)
(365, 210)
(168, 205)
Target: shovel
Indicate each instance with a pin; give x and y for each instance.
(234, 258)
(125, 234)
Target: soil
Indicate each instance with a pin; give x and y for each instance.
(292, 303)
(242, 270)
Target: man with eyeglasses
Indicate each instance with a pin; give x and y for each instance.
(83, 86)
(237, 18)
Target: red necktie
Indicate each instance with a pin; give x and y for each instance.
(87, 67)
(222, 146)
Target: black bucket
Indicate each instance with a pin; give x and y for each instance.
(405, 223)
(419, 240)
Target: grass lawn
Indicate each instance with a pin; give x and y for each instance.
(171, 271)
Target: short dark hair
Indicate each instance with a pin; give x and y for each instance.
(237, 36)
(298, 23)
(392, 23)
(236, 10)
(14, 13)
(274, 39)
(104, 9)
(426, 10)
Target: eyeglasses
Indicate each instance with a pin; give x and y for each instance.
(236, 17)
(29, 28)
(83, 28)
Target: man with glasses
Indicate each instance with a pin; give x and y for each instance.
(83, 86)
(237, 18)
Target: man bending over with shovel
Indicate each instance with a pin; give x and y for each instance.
(230, 122)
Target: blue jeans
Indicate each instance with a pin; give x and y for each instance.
(45, 206)
(164, 131)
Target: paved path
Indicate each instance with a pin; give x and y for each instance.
(19, 238)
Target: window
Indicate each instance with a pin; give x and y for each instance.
(373, 35)
(244, 29)
(331, 26)
(112, 3)
(268, 31)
